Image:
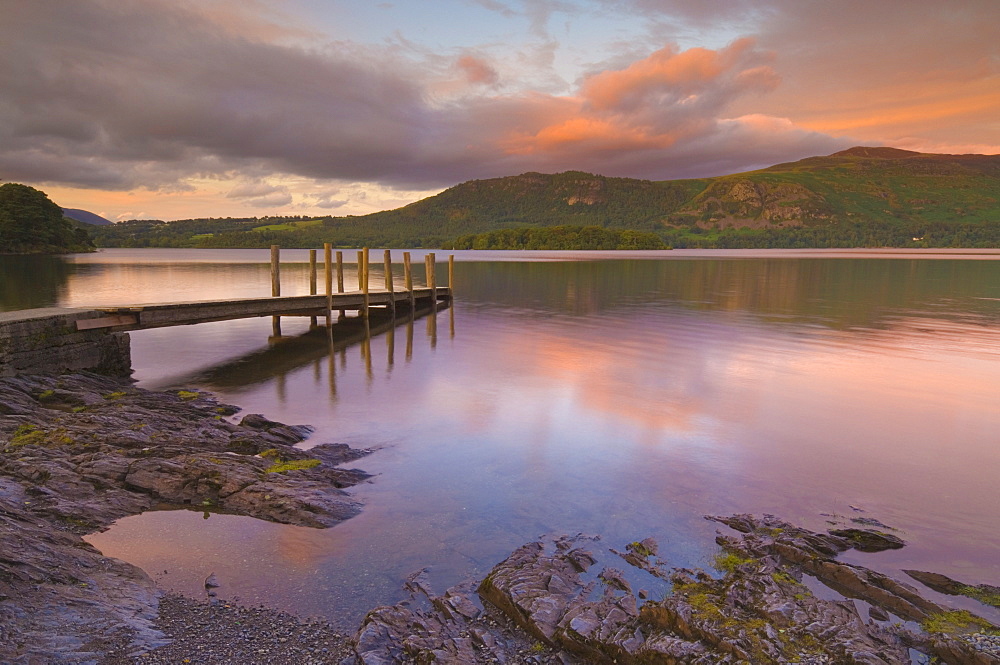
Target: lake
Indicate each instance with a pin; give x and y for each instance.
(621, 394)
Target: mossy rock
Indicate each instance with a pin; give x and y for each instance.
(293, 465)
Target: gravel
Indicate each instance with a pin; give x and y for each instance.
(985, 643)
(225, 633)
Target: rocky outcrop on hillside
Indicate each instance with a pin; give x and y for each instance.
(756, 204)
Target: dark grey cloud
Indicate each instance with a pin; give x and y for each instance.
(124, 94)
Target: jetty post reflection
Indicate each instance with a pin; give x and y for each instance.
(286, 354)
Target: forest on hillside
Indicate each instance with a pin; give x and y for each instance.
(30, 223)
(863, 197)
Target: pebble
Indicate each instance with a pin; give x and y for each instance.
(225, 634)
(989, 644)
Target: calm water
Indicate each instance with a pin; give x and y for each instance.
(626, 395)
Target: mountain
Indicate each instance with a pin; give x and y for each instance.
(864, 196)
(85, 217)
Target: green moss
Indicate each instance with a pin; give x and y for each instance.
(957, 621)
(46, 395)
(78, 409)
(118, 394)
(782, 577)
(29, 435)
(984, 596)
(271, 453)
(293, 465)
(76, 521)
(187, 394)
(537, 647)
(728, 562)
(640, 549)
(706, 606)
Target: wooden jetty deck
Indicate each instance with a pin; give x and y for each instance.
(140, 317)
(61, 340)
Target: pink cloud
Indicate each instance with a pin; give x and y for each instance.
(477, 70)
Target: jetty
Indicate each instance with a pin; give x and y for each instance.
(54, 340)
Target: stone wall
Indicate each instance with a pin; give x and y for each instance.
(46, 341)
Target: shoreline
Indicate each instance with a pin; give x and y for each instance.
(79, 451)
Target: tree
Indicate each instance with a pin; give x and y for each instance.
(31, 223)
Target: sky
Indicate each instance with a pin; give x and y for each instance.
(174, 109)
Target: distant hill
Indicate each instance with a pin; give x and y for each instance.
(85, 217)
(861, 197)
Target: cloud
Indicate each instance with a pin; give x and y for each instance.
(159, 94)
(254, 189)
(477, 70)
(261, 194)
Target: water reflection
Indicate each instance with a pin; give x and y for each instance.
(27, 282)
(837, 293)
(285, 354)
(621, 397)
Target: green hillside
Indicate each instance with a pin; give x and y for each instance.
(861, 197)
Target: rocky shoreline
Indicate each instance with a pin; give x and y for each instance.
(80, 451)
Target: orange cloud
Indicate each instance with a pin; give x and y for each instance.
(603, 134)
(667, 72)
(653, 104)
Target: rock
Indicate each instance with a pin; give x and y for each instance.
(758, 612)
(869, 540)
(984, 593)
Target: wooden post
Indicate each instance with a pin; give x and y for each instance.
(312, 282)
(432, 279)
(275, 272)
(451, 274)
(312, 272)
(364, 283)
(275, 288)
(340, 281)
(388, 282)
(328, 265)
(408, 276)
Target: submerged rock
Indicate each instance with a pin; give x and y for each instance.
(869, 540)
(984, 593)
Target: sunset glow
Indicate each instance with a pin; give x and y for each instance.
(159, 109)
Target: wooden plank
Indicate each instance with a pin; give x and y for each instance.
(185, 313)
(107, 321)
